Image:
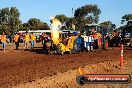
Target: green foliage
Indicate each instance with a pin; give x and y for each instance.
(24, 27)
(69, 22)
(62, 18)
(108, 25)
(127, 18)
(9, 20)
(35, 24)
(66, 21)
(88, 14)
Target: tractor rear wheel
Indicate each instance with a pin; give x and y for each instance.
(59, 51)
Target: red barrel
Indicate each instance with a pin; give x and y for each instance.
(107, 44)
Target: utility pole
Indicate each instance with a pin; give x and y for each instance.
(72, 12)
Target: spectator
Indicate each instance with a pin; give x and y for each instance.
(3, 40)
(44, 41)
(17, 40)
(26, 40)
(33, 39)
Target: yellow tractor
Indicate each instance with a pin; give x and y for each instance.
(69, 45)
(60, 42)
(65, 44)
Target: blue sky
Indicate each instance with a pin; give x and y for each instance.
(111, 10)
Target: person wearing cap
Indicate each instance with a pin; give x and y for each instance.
(33, 39)
(26, 40)
(3, 40)
(17, 40)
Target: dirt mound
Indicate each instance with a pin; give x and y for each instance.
(68, 79)
(20, 67)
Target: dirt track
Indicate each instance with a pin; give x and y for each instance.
(18, 67)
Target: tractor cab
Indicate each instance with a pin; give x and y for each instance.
(64, 36)
(88, 28)
(67, 43)
(87, 38)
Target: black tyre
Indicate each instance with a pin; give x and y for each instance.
(59, 51)
(81, 80)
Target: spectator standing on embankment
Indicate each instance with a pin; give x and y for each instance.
(33, 39)
(44, 41)
(26, 40)
(95, 38)
(3, 40)
(17, 40)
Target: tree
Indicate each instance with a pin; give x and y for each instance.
(66, 21)
(62, 18)
(127, 18)
(69, 22)
(24, 27)
(14, 21)
(108, 26)
(9, 20)
(35, 24)
(88, 14)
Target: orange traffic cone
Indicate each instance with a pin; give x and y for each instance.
(81, 71)
(121, 58)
